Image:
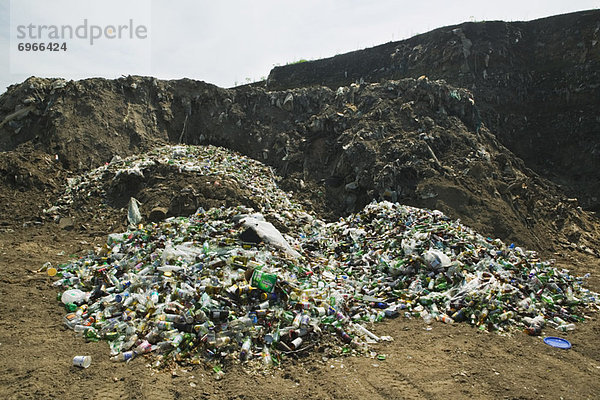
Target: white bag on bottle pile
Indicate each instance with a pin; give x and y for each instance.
(436, 260)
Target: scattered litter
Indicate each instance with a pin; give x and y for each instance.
(82, 361)
(557, 342)
(133, 213)
(203, 289)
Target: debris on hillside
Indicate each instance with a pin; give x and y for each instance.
(205, 289)
(417, 141)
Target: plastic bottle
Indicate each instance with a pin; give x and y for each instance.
(343, 335)
(170, 318)
(266, 356)
(125, 356)
(445, 319)
(176, 341)
(143, 347)
(81, 329)
(297, 320)
(129, 342)
(505, 316)
(222, 340)
(245, 350)
(122, 297)
(164, 325)
(71, 320)
(116, 283)
(427, 317)
(154, 296)
(565, 327)
(241, 323)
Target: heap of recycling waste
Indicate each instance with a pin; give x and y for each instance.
(225, 284)
(202, 160)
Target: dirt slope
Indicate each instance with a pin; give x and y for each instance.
(417, 141)
(537, 85)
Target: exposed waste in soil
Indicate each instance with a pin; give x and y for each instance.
(224, 284)
(410, 204)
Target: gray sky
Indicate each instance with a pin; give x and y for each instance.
(229, 42)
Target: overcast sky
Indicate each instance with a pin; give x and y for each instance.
(229, 42)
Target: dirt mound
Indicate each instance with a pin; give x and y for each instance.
(416, 141)
(174, 181)
(85, 123)
(29, 181)
(536, 83)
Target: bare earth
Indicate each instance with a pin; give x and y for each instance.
(403, 134)
(447, 362)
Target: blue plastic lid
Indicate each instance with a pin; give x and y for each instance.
(557, 342)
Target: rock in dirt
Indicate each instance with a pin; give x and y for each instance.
(66, 223)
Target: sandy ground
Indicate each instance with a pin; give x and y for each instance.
(88, 122)
(446, 362)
